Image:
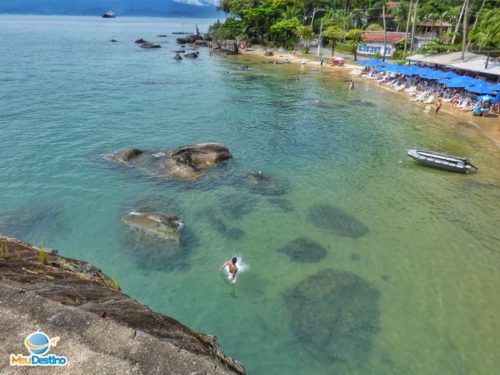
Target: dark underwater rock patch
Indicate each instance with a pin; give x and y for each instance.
(335, 315)
(220, 226)
(264, 184)
(284, 204)
(236, 205)
(26, 221)
(304, 250)
(337, 221)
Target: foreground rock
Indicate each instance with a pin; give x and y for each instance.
(158, 225)
(335, 315)
(187, 162)
(102, 330)
(224, 47)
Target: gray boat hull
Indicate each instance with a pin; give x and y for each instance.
(440, 161)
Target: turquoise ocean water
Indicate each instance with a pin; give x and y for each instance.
(407, 285)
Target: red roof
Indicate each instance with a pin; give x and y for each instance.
(378, 37)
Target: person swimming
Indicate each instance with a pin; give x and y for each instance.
(231, 265)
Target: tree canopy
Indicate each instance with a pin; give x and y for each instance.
(284, 22)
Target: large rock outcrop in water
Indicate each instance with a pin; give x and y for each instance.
(224, 47)
(187, 162)
(155, 224)
(101, 329)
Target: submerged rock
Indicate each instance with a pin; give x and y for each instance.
(187, 162)
(284, 204)
(192, 55)
(363, 103)
(262, 183)
(177, 57)
(150, 45)
(236, 205)
(102, 329)
(304, 250)
(228, 231)
(159, 225)
(337, 221)
(25, 221)
(335, 315)
(141, 41)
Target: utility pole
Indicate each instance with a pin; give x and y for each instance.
(408, 23)
(413, 26)
(464, 36)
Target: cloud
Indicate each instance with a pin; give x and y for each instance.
(199, 3)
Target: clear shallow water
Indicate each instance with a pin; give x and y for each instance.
(426, 292)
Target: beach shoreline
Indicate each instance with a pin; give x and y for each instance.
(488, 127)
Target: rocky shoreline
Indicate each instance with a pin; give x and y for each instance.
(101, 329)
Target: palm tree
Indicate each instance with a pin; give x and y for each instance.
(385, 29)
(487, 34)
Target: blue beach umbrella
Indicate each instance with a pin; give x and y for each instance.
(480, 89)
(435, 74)
(488, 98)
(463, 81)
(496, 87)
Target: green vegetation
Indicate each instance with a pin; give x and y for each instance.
(43, 256)
(115, 284)
(4, 251)
(296, 23)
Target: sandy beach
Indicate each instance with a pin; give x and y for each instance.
(489, 127)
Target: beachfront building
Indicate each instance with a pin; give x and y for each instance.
(373, 43)
(472, 64)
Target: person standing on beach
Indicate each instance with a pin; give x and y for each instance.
(231, 265)
(351, 85)
(438, 106)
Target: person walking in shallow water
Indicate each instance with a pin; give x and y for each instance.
(438, 106)
(231, 265)
(351, 85)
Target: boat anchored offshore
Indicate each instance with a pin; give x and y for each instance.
(441, 161)
(109, 14)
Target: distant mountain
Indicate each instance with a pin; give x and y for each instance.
(153, 8)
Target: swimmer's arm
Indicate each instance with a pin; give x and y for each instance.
(224, 265)
(234, 274)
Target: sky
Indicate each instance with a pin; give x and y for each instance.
(159, 8)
